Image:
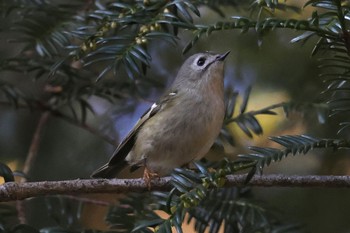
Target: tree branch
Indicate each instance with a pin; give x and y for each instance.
(17, 191)
(34, 146)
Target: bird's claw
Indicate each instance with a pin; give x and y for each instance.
(148, 175)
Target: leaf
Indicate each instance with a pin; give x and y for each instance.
(328, 5)
(193, 8)
(202, 169)
(121, 5)
(105, 71)
(245, 99)
(230, 104)
(303, 37)
(253, 124)
(181, 8)
(226, 135)
(165, 227)
(140, 57)
(250, 174)
(245, 129)
(131, 64)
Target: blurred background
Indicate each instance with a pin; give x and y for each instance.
(276, 70)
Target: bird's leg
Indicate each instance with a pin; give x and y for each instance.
(148, 175)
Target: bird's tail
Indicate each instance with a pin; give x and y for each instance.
(109, 171)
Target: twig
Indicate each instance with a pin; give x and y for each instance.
(34, 146)
(17, 191)
(20, 208)
(28, 164)
(13, 191)
(256, 112)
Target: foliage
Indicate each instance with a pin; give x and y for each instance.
(80, 49)
(250, 125)
(230, 206)
(201, 194)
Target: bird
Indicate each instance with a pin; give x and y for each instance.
(180, 127)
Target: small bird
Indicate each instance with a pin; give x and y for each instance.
(180, 127)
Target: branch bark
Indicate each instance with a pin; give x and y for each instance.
(18, 191)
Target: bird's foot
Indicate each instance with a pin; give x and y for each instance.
(148, 175)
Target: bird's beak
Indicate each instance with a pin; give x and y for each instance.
(222, 56)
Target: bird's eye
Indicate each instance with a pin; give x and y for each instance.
(201, 61)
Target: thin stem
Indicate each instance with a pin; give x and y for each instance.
(256, 112)
(34, 146)
(228, 25)
(30, 160)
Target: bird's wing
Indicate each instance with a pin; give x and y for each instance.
(117, 162)
(126, 145)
